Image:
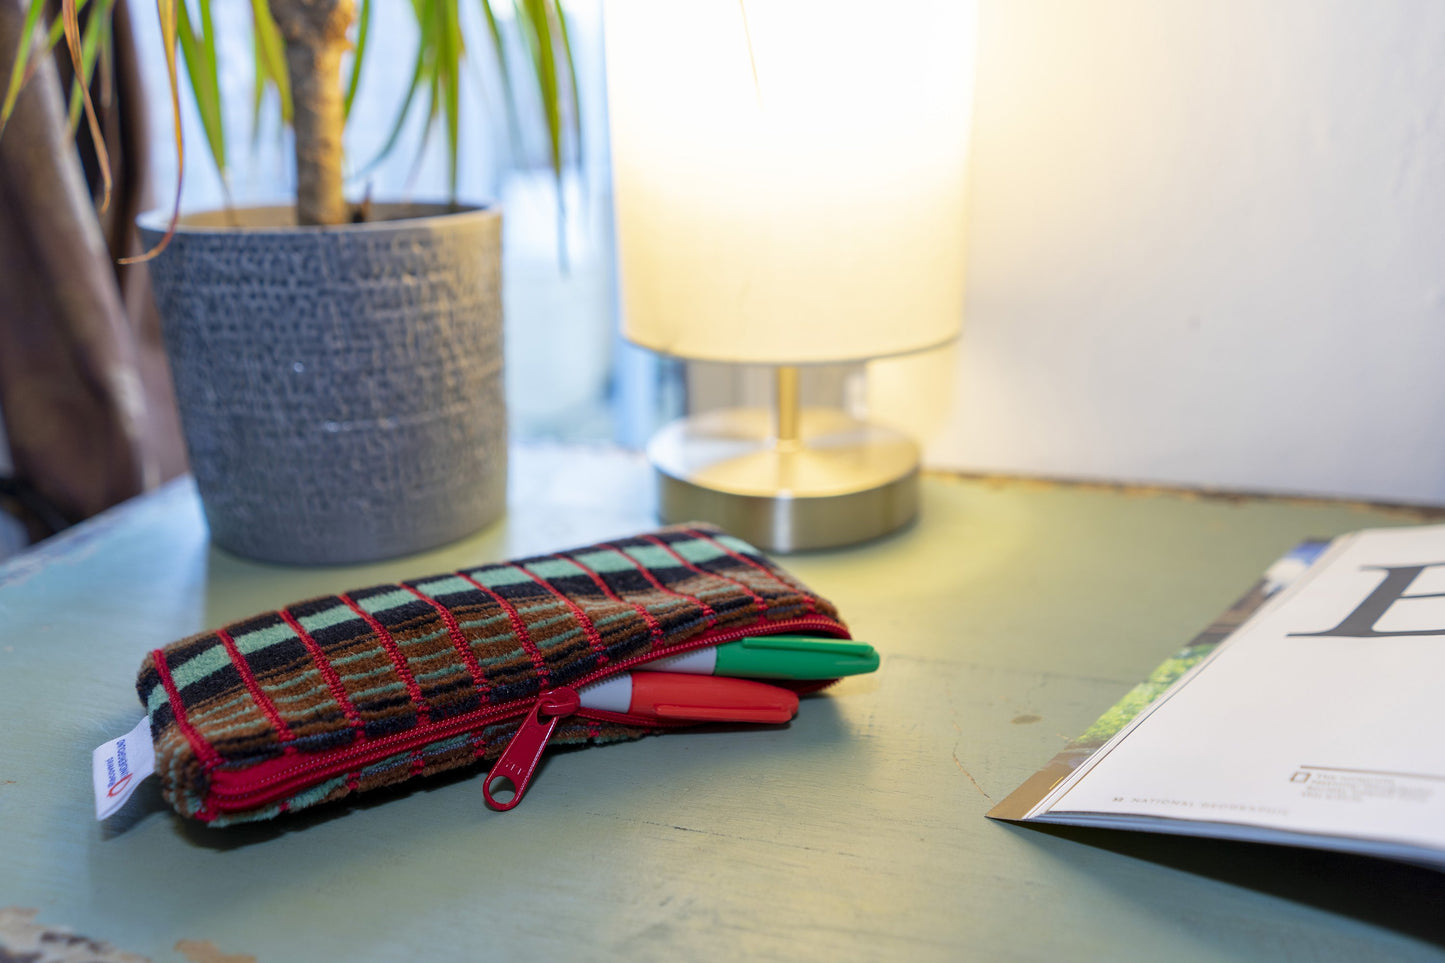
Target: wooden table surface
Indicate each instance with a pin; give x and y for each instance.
(1009, 617)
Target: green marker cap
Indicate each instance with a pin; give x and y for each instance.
(794, 657)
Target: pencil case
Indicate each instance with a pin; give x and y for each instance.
(348, 693)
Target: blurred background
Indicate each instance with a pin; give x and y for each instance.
(1207, 245)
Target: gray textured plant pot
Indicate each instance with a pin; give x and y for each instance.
(340, 388)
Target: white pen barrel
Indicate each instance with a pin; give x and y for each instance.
(614, 695)
(697, 662)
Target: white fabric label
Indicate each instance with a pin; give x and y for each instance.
(120, 765)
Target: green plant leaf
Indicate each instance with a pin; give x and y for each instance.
(52, 37)
(22, 57)
(536, 26)
(504, 68)
(268, 54)
(437, 71)
(89, 54)
(539, 22)
(217, 141)
(106, 62)
(433, 82)
(201, 70)
(166, 10)
(419, 74)
(102, 154)
(363, 30)
(449, 67)
(258, 91)
(576, 97)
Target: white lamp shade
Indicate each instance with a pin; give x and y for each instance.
(790, 175)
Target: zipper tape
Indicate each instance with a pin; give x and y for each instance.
(232, 790)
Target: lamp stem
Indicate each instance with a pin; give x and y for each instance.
(788, 408)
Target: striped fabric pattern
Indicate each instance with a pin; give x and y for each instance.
(343, 670)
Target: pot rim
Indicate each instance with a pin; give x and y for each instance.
(156, 220)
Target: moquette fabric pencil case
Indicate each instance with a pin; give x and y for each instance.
(348, 693)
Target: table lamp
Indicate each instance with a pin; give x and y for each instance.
(789, 184)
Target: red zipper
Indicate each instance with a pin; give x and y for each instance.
(257, 785)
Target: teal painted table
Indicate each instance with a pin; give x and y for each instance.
(1009, 616)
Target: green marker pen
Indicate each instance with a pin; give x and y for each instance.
(774, 657)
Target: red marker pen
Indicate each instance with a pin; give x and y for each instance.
(699, 698)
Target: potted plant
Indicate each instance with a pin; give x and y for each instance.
(338, 366)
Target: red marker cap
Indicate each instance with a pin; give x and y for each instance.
(705, 698)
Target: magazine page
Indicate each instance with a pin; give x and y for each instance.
(1320, 716)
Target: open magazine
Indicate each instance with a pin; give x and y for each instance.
(1309, 714)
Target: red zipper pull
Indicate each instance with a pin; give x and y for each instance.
(519, 760)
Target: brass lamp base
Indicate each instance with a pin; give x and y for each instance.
(841, 481)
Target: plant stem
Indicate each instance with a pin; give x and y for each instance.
(315, 33)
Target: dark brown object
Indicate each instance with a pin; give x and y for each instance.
(84, 392)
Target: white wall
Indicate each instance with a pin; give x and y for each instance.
(1208, 246)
